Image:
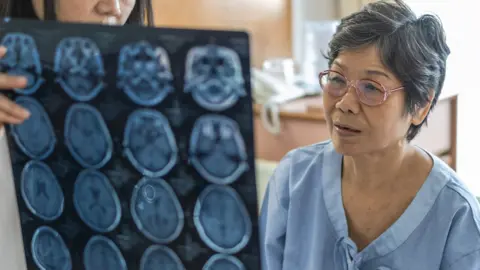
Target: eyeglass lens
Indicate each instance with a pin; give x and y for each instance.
(369, 92)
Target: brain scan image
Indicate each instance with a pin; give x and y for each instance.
(49, 251)
(87, 136)
(144, 73)
(213, 76)
(160, 257)
(222, 219)
(217, 150)
(156, 210)
(41, 191)
(101, 253)
(223, 262)
(79, 68)
(22, 59)
(96, 201)
(35, 136)
(149, 143)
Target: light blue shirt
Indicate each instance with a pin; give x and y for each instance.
(303, 224)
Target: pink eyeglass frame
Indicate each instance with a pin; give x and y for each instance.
(386, 92)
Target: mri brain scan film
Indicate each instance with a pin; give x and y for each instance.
(41, 191)
(223, 262)
(149, 143)
(49, 250)
(87, 136)
(160, 257)
(222, 220)
(79, 68)
(102, 253)
(22, 59)
(35, 136)
(144, 73)
(139, 151)
(217, 149)
(96, 201)
(213, 76)
(156, 210)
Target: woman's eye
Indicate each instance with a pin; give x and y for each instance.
(337, 81)
(370, 87)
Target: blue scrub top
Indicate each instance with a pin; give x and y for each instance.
(303, 224)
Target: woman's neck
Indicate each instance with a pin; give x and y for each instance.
(378, 169)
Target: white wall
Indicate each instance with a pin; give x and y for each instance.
(308, 10)
(466, 27)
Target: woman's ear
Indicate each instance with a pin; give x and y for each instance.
(421, 113)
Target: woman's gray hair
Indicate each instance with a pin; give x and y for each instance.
(414, 49)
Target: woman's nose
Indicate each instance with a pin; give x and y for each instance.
(349, 102)
(109, 8)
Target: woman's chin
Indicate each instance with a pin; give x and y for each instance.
(347, 147)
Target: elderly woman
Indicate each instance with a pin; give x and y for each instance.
(368, 199)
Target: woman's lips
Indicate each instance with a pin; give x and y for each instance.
(345, 130)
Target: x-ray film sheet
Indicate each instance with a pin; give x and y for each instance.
(139, 151)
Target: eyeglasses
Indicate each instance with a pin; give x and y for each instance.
(369, 92)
